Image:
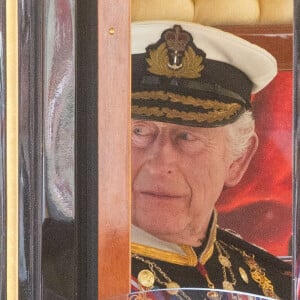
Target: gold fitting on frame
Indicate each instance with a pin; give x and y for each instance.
(111, 30)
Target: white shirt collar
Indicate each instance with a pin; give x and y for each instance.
(139, 236)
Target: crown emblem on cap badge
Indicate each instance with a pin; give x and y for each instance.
(174, 55)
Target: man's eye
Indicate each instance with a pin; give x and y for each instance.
(186, 136)
(142, 131)
(138, 131)
(142, 136)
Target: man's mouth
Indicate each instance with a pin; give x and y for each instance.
(165, 195)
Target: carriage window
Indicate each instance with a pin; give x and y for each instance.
(107, 137)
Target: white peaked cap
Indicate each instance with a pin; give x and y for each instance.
(255, 62)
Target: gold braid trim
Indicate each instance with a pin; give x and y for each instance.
(209, 117)
(187, 100)
(257, 273)
(189, 259)
(222, 111)
(209, 249)
(259, 276)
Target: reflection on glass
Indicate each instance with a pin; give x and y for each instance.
(59, 110)
(30, 145)
(58, 256)
(189, 294)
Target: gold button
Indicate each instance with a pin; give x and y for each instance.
(244, 275)
(146, 278)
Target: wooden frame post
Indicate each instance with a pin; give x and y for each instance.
(114, 85)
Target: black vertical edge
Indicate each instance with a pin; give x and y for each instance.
(2, 150)
(30, 147)
(86, 167)
(296, 162)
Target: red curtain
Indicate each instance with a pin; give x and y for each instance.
(260, 206)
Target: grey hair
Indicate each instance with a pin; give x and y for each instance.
(239, 134)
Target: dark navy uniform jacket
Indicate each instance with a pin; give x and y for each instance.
(247, 268)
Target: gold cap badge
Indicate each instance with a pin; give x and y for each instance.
(175, 55)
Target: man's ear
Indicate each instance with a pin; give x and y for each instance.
(239, 166)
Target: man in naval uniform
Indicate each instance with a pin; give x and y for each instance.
(193, 135)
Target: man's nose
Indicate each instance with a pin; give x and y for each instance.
(162, 155)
